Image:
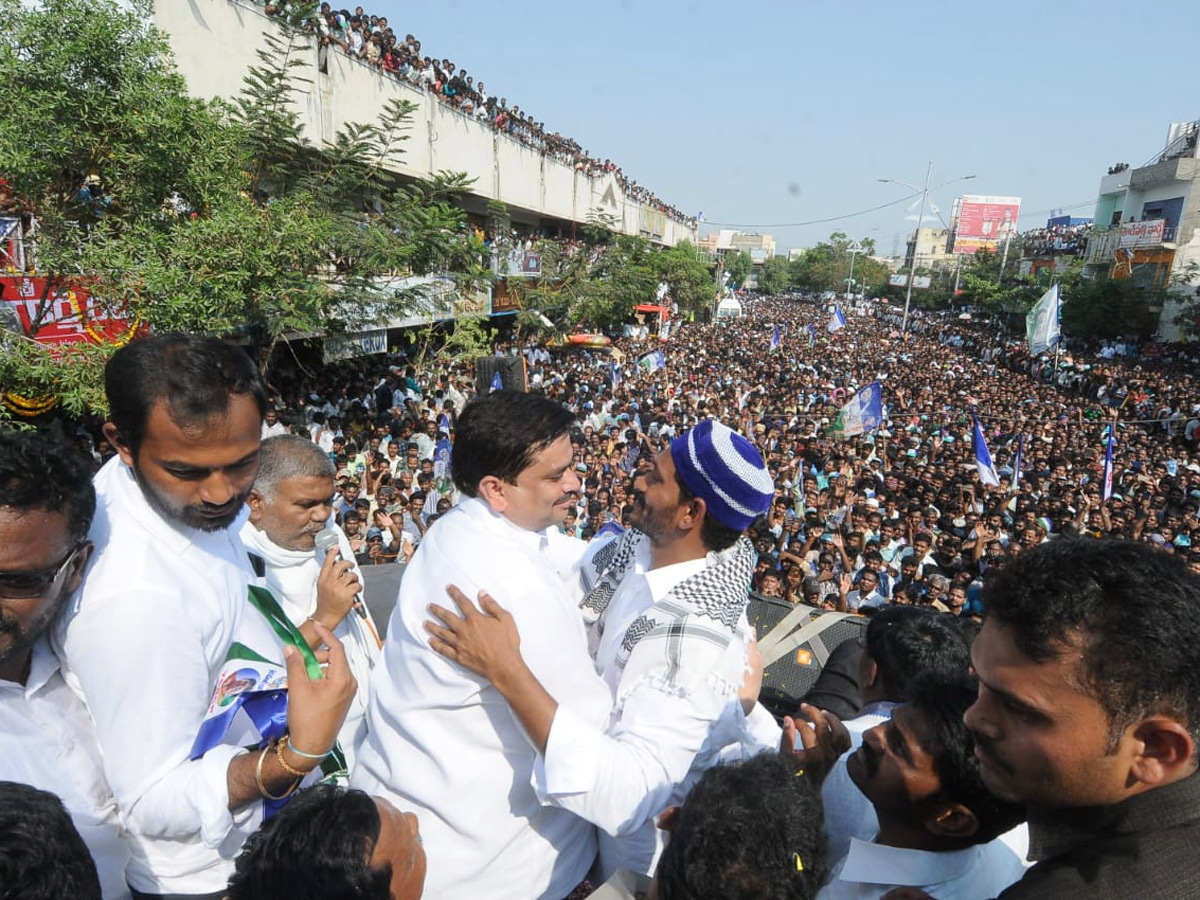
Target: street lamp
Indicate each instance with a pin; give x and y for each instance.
(854, 249)
(917, 236)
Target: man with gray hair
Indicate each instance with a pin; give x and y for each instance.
(290, 503)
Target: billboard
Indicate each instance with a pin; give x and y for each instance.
(64, 314)
(983, 222)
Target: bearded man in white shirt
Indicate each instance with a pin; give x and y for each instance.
(290, 503)
(165, 598)
(441, 741)
(665, 608)
(46, 737)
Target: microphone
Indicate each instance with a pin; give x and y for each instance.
(327, 540)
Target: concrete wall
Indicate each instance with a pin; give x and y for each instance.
(215, 42)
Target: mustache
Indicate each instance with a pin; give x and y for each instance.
(870, 759)
(989, 749)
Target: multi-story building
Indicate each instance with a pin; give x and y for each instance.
(928, 248)
(1146, 221)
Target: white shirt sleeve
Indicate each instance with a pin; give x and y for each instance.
(620, 779)
(144, 675)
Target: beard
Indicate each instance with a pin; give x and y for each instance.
(17, 639)
(203, 517)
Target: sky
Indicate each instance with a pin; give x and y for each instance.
(764, 116)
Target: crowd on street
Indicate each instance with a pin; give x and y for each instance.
(195, 702)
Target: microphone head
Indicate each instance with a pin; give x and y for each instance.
(326, 540)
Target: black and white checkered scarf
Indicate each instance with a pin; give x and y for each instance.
(694, 622)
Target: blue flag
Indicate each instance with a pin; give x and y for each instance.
(1107, 489)
(1016, 479)
(655, 359)
(775, 340)
(863, 413)
(837, 321)
(497, 382)
(983, 458)
(614, 373)
(812, 333)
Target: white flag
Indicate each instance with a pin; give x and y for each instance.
(1041, 323)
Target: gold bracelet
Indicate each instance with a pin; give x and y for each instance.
(295, 773)
(262, 788)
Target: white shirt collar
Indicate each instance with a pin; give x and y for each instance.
(871, 863)
(663, 579)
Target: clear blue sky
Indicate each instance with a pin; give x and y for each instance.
(763, 113)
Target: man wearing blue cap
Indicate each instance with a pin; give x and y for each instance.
(665, 609)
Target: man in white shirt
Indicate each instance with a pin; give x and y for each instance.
(938, 823)
(665, 607)
(901, 643)
(271, 425)
(290, 503)
(441, 741)
(164, 598)
(46, 737)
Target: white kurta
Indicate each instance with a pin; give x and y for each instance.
(444, 744)
(291, 577)
(46, 741)
(661, 735)
(143, 640)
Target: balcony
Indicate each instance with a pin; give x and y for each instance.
(1104, 242)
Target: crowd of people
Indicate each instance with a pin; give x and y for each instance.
(565, 692)
(1057, 240)
(371, 39)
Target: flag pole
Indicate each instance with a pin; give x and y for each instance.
(1057, 325)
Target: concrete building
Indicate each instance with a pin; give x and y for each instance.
(1146, 221)
(215, 41)
(927, 249)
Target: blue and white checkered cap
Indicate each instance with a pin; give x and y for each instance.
(726, 471)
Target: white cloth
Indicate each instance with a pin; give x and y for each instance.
(142, 641)
(662, 733)
(273, 430)
(871, 870)
(444, 744)
(291, 577)
(46, 740)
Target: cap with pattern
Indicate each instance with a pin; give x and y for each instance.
(726, 471)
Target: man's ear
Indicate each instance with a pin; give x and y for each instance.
(257, 505)
(113, 436)
(668, 818)
(692, 513)
(491, 491)
(1164, 751)
(953, 822)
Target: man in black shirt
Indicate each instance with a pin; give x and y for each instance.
(1089, 713)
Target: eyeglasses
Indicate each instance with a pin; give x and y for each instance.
(28, 585)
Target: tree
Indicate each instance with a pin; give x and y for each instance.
(689, 278)
(738, 266)
(212, 217)
(826, 267)
(774, 276)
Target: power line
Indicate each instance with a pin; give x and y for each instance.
(861, 212)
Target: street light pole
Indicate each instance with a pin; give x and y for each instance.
(854, 249)
(917, 234)
(912, 269)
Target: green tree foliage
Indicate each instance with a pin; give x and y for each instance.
(774, 276)
(217, 218)
(689, 277)
(1107, 308)
(738, 266)
(826, 267)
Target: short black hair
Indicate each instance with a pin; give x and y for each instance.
(195, 374)
(906, 641)
(715, 536)
(1132, 611)
(317, 847)
(42, 856)
(41, 472)
(499, 434)
(748, 830)
(941, 699)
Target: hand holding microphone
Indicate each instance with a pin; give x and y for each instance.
(338, 588)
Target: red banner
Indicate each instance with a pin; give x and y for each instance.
(68, 314)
